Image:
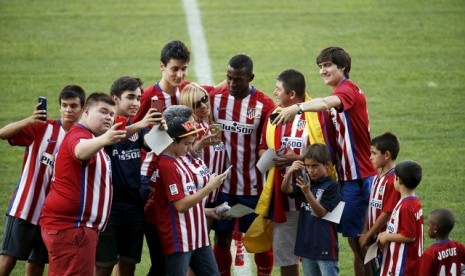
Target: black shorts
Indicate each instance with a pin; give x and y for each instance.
(23, 241)
(122, 239)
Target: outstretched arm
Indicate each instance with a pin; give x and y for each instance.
(11, 129)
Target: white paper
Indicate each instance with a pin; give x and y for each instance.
(335, 215)
(371, 253)
(266, 161)
(239, 210)
(158, 140)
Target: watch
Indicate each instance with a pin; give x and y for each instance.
(301, 107)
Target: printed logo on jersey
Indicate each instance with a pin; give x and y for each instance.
(306, 206)
(173, 189)
(381, 190)
(250, 113)
(236, 127)
(127, 155)
(47, 159)
(191, 188)
(219, 147)
(376, 203)
(134, 137)
(301, 125)
(293, 142)
(319, 194)
(154, 176)
(203, 171)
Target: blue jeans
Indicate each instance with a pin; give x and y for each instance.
(323, 268)
(201, 260)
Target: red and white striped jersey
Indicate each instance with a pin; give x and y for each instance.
(443, 258)
(179, 232)
(201, 175)
(293, 134)
(352, 133)
(81, 191)
(242, 122)
(213, 156)
(407, 220)
(383, 197)
(42, 142)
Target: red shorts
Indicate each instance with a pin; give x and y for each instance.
(71, 251)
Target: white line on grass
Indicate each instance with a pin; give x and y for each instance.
(198, 43)
(204, 76)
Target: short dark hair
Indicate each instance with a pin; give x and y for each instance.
(72, 91)
(125, 83)
(444, 221)
(336, 55)
(319, 153)
(241, 61)
(410, 172)
(175, 50)
(99, 97)
(387, 142)
(293, 80)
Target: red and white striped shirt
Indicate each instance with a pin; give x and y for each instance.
(213, 156)
(295, 134)
(443, 258)
(352, 133)
(407, 220)
(201, 174)
(81, 191)
(383, 197)
(179, 232)
(42, 142)
(242, 122)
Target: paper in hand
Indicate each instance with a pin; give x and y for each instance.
(266, 162)
(335, 215)
(371, 253)
(239, 210)
(158, 140)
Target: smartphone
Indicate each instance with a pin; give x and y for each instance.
(273, 116)
(302, 173)
(121, 119)
(281, 151)
(215, 128)
(157, 104)
(42, 106)
(228, 169)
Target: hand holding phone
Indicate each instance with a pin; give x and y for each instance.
(43, 106)
(122, 120)
(157, 105)
(303, 174)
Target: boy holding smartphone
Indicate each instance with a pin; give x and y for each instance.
(42, 138)
(123, 237)
(316, 240)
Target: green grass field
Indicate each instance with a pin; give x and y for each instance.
(407, 56)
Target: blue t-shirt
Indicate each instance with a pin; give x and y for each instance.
(316, 237)
(125, 165)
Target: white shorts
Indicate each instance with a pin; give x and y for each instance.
(284, 236)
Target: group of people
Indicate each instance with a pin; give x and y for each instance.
(91, 189)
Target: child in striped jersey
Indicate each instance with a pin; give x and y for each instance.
(383, 196)
(403, 238)
(41, 138)
(445, 256)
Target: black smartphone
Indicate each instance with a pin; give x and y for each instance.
(273, 116)
(42, 106)
(302, 173)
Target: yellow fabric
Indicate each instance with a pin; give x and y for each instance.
(259, 236)
(315, 133)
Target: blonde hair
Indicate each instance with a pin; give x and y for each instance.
(188, 96)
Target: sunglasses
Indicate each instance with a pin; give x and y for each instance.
(203, 100)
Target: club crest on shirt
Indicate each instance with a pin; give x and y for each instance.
(154, 176)
(134, 137)
(173, 189)
(250, 113)
(301, 125)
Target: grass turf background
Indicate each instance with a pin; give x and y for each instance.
(407, 57)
